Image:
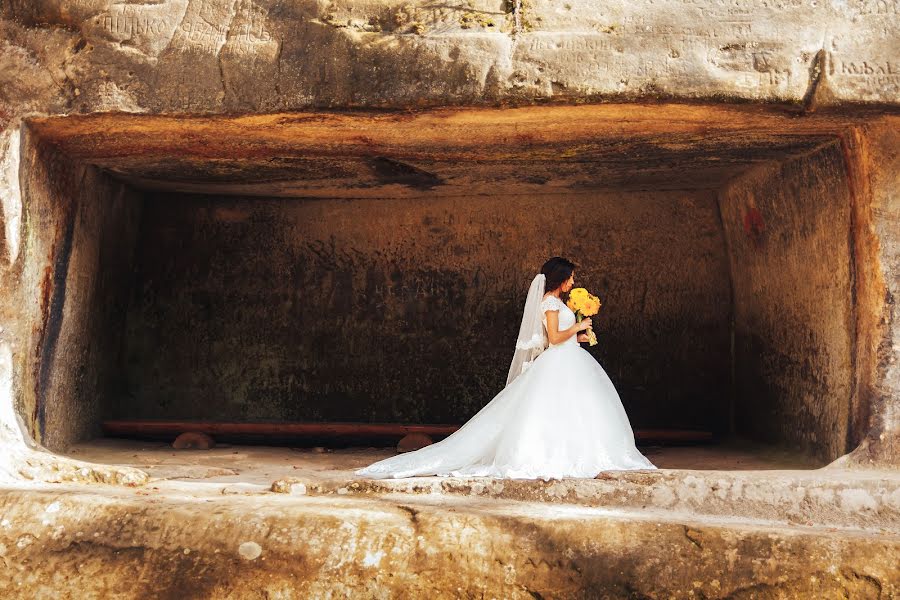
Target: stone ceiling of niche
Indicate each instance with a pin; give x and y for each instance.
(452, 152)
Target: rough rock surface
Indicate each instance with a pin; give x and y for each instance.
(192, 57)
(126, 543)
(814, 68)
(811, 365)
(267, 55)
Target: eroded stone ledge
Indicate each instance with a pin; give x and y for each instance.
(269, 55)
(804, 498)
(122, 545)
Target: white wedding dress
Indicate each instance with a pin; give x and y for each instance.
(561, 417)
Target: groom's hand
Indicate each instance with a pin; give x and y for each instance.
(583, 337)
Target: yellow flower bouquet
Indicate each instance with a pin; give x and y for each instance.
(584, 304)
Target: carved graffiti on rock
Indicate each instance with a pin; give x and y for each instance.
(147, 28)
(132, 24)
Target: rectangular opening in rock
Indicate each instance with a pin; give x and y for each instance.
(371, 267)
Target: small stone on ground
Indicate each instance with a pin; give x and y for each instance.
(193, 440)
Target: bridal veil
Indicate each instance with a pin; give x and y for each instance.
(532, 339)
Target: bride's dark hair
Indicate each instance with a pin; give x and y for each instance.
(557, 270)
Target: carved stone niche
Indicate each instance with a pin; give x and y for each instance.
(326, 267)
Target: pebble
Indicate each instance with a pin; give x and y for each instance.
(249, 550)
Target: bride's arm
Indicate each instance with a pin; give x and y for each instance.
(556, 336)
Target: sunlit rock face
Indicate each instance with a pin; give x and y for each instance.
(268, 55)
(282, 210)
(299, 547)
(191, 218)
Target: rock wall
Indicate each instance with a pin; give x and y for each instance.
(406, 309)
(79, 234)
(191, 57)
(267, 55)
(789, 233)
(875, 176)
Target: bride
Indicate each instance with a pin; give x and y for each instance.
(558, 416)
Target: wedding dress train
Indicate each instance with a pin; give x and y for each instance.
(562, 417)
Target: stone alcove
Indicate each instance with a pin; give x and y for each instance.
(366, 266)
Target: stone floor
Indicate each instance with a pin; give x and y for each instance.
(737, 479)
(228, 463)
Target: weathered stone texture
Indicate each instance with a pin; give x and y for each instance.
(393, 309)
(10, 197)
(185, 57)
(79, 234)
(214, 55)
(877, 162)
(128, 546)
(627, 190)
(816, 321)
(788, 229)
